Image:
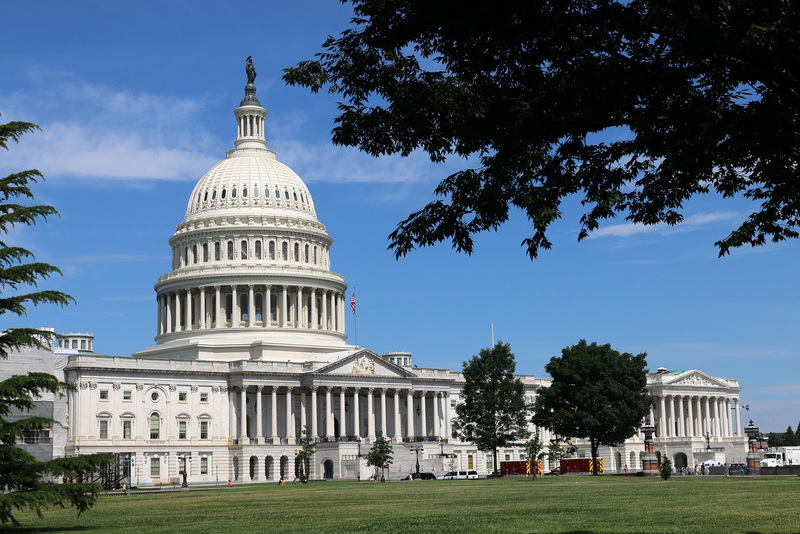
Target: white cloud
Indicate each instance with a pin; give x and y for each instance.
(689, 223)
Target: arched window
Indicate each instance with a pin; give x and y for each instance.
(266, 192)
(233, 192)
(272, 250)
(228, 307)
(230, 250)
(244, 192)
(244, 250)
(273, 307)
(306, 255)
(315, 255)
(286, 194)
(285, 251)
(258, 250)
(194, 253)
(198, 198)
(297, 252)
(214, 194)
(244, 307)
(205, 252)
(295, 196)
(205, 196)
(277, 195)
(155, 426)
(223, 194)
(255, 191)
(186, 256)
(259, 306)
(217, 251)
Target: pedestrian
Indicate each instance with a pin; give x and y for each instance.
(229, 483)
(282, 483)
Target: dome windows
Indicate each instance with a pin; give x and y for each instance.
(258, 250)
(286, 194)
(244, 192)
(244, 250)
(223, 194)
(277, 194)
(230, 250)
(205, 197)
(233, 192)
(214, 195)
(295, 196)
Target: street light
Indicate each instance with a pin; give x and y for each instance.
(416, 450)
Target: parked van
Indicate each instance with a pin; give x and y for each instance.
(460, 475)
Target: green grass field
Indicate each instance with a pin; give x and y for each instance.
(573, 504)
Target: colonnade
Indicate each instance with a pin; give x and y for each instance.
(695, 416)
(337, 413)
(239, 306)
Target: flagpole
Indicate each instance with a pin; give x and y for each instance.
(355, 316)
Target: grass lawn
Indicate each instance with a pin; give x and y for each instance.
(571, 504)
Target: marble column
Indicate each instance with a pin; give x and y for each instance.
(202, 308)
(251, 306)
(314, 323)
(424, 415)
(273, 412)
(289, 417)
(266, 307)
(662, 416)
(243, 415)
(314, 433)
(178, 311)
(396, 427)
(234, 308)
(356, 415)
(329, 411)
(410, 413)
(384, 426)
(303, 421)
(690, 427)
(259, 428)
(283, 312)
(217, 308)
(342, 416)
(738, 418)
(681, 418)
(370, 416)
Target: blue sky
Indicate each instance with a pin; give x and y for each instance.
(136, 99)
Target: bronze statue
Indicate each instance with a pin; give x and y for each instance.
(251, 70)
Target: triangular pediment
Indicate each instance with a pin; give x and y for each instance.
(693, 378)
(364, 363)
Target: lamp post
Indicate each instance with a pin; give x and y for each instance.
(416, 450)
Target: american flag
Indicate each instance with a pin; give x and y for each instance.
(353, 303)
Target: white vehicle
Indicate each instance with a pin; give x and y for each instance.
(780, 456)
(460, 475)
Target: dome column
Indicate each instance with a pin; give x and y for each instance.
(234, 308)
(217, 308)
(314, 308)
(202, 325)
(298, 315)
(188, 309)
(160, 314)
(282, 310)
(178, 327)
(324, 301)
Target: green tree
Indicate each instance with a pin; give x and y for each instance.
(380, 455)
(23, 477)
(307, 450)
(790, 438)
(492, 412)
(632, 106)
(533, 451)
(665, 469)
(596, 393)
(557, 452)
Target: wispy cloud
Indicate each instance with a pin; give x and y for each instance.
(689, 223)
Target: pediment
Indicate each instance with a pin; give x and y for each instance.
(694, 378)
(364, 363)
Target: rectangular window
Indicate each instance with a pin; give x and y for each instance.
(103, 394)
(203, 429)
(126, 429)
(126, 395)
(204, 397)
(181, 465)
(103, 429)
(181, 429)
(203, 465)
(182, 396)
(155, 467)
(154, 426)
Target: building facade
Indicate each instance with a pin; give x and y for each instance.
(250, 349)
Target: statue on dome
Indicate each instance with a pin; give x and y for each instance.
(251, 70)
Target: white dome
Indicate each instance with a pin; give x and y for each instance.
(250, 181)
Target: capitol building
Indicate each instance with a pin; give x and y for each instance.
(250, 348)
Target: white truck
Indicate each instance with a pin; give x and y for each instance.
(780, 456)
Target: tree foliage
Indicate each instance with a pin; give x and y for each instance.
(23, 478)
(632, 106)
(596, 393)
(380, 454)
(307, 450)
(492, 411)
(665, 469)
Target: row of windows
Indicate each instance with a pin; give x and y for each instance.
(155, 466)
(155, 428)
(193, 255)
(224, 193)
(127, 395)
